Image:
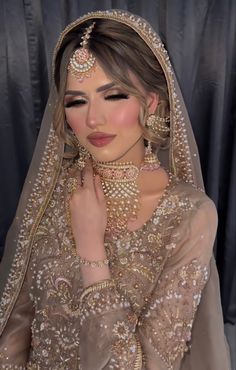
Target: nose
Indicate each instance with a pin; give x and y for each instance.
(95, 116)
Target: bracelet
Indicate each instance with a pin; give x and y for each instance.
(108, 283)
(92, 264)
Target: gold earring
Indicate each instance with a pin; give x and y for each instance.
(150, 162)
(84, 156)
(158, 125)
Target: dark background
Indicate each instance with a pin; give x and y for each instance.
(200, 38)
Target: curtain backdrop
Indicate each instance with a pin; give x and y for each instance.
(200, 38)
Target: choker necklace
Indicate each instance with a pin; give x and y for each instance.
(119, 183)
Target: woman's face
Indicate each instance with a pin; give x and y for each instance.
(104, 118)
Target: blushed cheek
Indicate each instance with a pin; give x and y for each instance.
(73, 123)
(127, 117)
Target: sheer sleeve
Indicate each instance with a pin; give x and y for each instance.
(113, 337)
(16, 337)
(166, 324)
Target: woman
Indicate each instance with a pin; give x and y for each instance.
(110, 251)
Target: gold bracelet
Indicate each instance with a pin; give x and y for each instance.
(92, 264)
(107, 283)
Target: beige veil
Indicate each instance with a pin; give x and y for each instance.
(209, 349)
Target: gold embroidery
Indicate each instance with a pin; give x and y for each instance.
(61, 305)
(167, 322)
(139, 357)
(121, 330)
(12, 367)
(96, 287)
(36, 203)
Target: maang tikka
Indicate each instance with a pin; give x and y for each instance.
(82, 62)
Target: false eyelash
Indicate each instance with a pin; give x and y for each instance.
(117, 96)
(74, 102)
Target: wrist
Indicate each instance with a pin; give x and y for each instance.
(91, 250)
(93, 262)
(92, 275)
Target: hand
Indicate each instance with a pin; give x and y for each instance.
(88, 215)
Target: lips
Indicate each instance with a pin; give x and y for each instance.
(100, 139)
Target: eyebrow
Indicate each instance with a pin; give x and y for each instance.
(99, 89)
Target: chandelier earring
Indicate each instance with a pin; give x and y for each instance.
(150, 162)
(84, 156)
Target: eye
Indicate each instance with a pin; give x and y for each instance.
(74, 103)
(117, 96)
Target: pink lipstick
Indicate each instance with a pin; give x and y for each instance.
(100, 139)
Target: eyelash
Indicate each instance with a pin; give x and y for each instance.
(109, 97)
(75, 102)
(117, 96)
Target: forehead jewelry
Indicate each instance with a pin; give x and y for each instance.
(82, 62)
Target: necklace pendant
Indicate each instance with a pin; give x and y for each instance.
(119, 183)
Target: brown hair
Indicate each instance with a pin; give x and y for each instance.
(119, 50)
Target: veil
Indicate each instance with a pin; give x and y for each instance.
(209, 349)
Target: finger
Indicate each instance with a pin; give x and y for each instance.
(80, 179)
(88, 175)
(99, 189)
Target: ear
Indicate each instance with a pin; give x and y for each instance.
(152, 102)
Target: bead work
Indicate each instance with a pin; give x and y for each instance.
(47, 175)
(119, 183)
(64, 311)
(173, 332)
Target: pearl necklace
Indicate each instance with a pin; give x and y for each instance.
(119, 183)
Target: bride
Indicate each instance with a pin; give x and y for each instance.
(108, 264)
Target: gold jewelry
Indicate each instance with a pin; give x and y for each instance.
(84, 155)
(119, 183)
(96, 287)
(84, 262)
(150, 162)
(158, 125)
(72, 185)
(82, 62)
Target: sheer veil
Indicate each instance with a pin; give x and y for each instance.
(209, 349)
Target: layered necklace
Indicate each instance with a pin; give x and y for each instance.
(120, 187)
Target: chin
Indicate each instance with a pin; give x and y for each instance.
(105, 155)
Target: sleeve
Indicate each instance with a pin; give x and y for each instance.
(113, 337)
(16, 337)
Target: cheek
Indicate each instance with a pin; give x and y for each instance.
(126, 116)
(74, 121)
